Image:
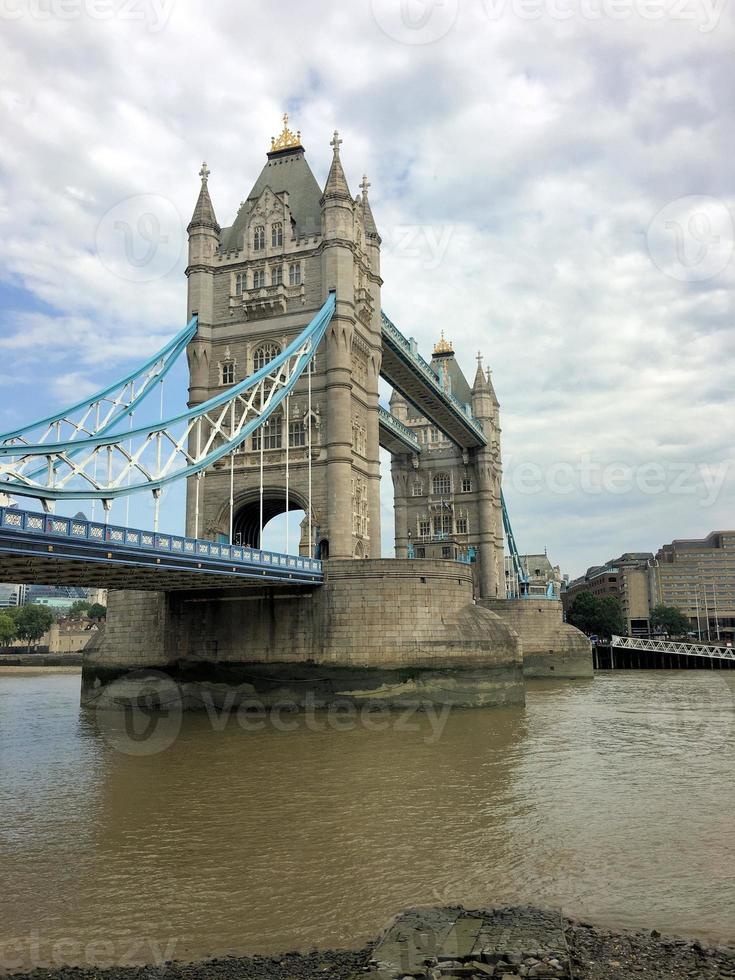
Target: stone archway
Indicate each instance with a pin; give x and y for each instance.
(246, 520)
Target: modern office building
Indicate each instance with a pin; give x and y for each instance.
(696, 576)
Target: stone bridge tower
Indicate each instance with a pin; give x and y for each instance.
(447, 500)
(254, 286)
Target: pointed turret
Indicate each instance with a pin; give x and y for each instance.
(204, 216)
(336, 188)
(370, 227)
(484, 402)
(491, 388)
(480, 382)
(204, 240)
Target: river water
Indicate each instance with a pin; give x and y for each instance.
(612, 799)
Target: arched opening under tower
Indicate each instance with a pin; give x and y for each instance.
(285, 528)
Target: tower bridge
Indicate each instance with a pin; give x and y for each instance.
(286, 341)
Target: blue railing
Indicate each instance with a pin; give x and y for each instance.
(402, 431)
(430, 374)
(76, 529)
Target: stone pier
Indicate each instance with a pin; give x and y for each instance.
(389, 632)
(551, 647)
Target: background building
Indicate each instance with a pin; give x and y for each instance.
(447, 500)
(540, 573)
(696, 576)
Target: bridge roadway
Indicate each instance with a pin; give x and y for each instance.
(407, 371)
(52, 550)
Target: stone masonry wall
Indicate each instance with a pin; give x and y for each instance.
(551, 647)
(394, 631)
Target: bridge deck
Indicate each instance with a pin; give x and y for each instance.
(52, 550)
(405, 369)
(394, 436)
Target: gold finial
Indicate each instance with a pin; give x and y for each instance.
(287, 140)
(443, 346)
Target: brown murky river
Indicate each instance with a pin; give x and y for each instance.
(613, 799)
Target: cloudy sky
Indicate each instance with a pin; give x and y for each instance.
(553, 181)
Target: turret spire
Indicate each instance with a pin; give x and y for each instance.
(204, 216)
(480, 382)
(336, 187)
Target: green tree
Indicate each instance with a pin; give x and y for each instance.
(670, 619)
(610, 619)
(7, 628)
(79, 608)
(603, 616)
(583, 612)
(32, 621)
(97, 611)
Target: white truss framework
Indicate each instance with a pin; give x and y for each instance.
(153, 456)
(711, 651)
(100, 412)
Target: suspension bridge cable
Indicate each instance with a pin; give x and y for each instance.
(232, 475)
(288, 442)
(308, 377)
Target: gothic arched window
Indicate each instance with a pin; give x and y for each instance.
(271, 432)
(418, 488)
(259, 238)
(441, 484)
(276, 234)
(276, 275)
(294, 274)
(258, 278)
(264, 355)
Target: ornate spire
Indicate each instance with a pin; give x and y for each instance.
(287, 140)
(443, 347)
(370, 226)
(336, 185)
(480, 382)
(204, 216)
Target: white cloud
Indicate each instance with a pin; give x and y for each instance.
(526, 159)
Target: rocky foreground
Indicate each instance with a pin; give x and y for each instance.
(447, 943)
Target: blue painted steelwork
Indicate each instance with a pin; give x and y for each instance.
(151, 372)
(402, 346)
(399, 430)
(273, 383)
(521, 574)
(90, 541)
